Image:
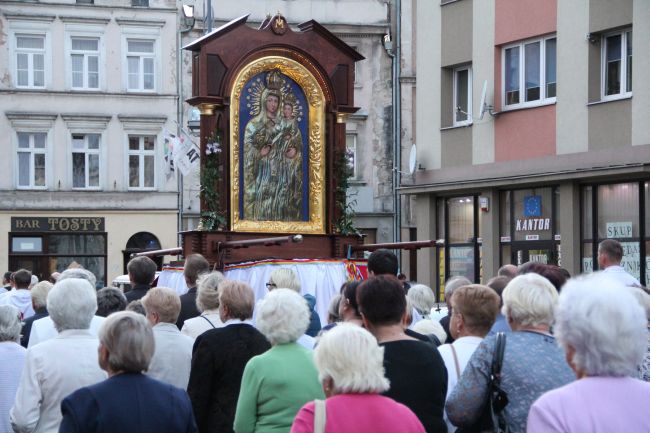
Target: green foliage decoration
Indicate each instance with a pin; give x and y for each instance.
(343, 173)
(212, 217)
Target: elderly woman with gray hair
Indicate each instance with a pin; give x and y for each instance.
(276, 384)
(602, 329)
(422, 299)
(128, 401)
(61, 365)
(285, 278)
(12, 359)
(44, 329)
(39, 303)
(450, 285)
(110, 300)
(350, 368)
(533, 363)
(207, 302)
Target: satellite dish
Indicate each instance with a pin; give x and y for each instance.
(413, 156)
(483, 106)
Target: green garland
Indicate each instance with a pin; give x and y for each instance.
(343, 173)
(211, 217)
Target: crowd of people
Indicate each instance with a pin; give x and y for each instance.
(533, 350)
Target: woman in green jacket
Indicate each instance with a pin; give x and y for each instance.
(279, 382)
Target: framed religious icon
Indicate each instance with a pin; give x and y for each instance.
(277, 117)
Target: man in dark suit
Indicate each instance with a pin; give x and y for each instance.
(142, 271)
(125, 350)
(195, 265)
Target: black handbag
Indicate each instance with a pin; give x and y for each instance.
(492, 419)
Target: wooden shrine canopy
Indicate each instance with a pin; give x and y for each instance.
(273, 105)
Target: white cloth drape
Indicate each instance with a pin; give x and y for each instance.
(174, 279)
(320, 278)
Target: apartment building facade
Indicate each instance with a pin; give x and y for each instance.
(86, 90)
(532, 137)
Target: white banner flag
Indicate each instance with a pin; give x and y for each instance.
(168, 153)
(186, 155)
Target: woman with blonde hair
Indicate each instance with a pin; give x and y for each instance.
(475, 308)
(207, 302)
(350, 368)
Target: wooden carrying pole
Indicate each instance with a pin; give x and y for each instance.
(154, 253)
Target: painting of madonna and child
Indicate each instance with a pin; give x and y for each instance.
(274, 162)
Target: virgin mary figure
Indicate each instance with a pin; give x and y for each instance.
(269, 189)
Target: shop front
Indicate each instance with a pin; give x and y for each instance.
(459, 227)
(102, 242)
(617, 211)
(529, 226)
(52, 244)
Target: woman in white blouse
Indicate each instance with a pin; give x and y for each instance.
(207, 302)
(12, 360)
(57, 367)
(474, 308)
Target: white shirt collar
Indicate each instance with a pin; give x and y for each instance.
(238, 322)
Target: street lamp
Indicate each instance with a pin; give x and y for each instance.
(194, 120)
(188, 18)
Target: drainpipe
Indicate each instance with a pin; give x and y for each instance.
(396, 54)
(179, 121)
(397, 122)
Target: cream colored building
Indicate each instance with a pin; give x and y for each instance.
(86, 89)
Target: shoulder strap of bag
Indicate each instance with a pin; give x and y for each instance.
(456, 364)
(498, 399)
(497, 360)
(319, 416)
(211, 324)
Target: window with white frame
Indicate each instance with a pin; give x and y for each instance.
(462, 96)
(355, 68)
(617, 64)
(351, 154)
(141, 154)
(140, 60)
(85, 161)
(529, 73)
(84, 61)
(30, 60)
(31, 159)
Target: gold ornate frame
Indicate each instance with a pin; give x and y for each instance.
(316, 101)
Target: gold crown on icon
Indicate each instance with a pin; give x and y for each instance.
(274, 80)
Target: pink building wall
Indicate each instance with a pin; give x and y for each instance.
(528, 132)
(521, 19)
(523, 134)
